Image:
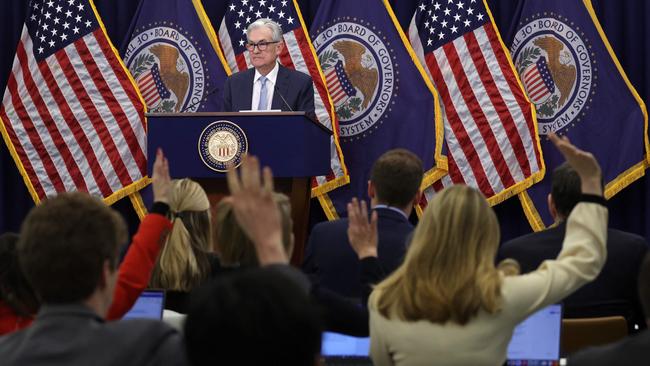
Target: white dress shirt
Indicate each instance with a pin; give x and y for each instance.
(270, 88)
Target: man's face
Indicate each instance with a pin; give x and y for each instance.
(264, 60)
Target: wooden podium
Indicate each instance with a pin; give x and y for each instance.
(293, 145)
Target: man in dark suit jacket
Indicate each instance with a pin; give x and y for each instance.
(633, 350)
(68, 249)
(613, 292)
(393, 189)
(267, 85)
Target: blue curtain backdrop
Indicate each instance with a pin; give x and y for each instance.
(625, 22)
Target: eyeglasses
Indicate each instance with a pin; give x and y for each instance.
(261, 45)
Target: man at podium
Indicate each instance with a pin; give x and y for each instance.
(268, 85)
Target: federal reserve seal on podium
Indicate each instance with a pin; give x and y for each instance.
(222, 144)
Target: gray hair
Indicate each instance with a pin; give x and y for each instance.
(270, 24)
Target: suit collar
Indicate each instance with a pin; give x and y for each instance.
(247, 88)
(389, 213)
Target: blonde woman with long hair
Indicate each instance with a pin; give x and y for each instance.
(448, 304)
(187, 258)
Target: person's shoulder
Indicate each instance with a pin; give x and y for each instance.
(626, 238)
(634, 350)
(151, 330)
(528, 239)
(240, 75)
(297, 75)
(329, 226)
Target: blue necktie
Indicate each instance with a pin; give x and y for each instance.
(262, 105)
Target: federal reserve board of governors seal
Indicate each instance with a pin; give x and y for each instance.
(222, 144)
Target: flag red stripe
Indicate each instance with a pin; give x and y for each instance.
(73, 124)
(121, 74)
(93, 115)
(454, 173)
(500, 106)
(30, 85)
(478, 115)
(22, 155)
(285, 57)
(459, 130)
(33, 136)
(114, 106)
(241, 62)
(510, 77)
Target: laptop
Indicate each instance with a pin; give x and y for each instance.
(150, 305)
(536, 341)
(339, 349)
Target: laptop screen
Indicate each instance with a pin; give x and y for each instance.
(149, 305)
(339, 345)
(536, 340)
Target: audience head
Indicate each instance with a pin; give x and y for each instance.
(68, 249)
(448, 273)
(184, 260)
(395, 179)
(565, 191)
(644, 286)
(15, 291)
(235, 248)
(252, 317)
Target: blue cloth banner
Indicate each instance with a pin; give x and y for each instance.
(380, 91)
(171, 52)
(579, 89)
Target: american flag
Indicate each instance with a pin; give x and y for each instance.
(297, 54)
(152, 87)
(70, 114)
(338, 83)
(489, 124)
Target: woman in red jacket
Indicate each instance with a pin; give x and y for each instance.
(18, 303)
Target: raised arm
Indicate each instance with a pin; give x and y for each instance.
(583, 250)
(135, 271)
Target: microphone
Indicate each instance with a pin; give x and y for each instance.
(277, 90)
(212, 91)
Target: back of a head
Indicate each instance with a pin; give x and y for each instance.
(235, 248)
(64, 243)
(644, 285)
(183, 262)
(397, 176)
(252, 317)
(15, 291)
(565, 189)
(448, 273)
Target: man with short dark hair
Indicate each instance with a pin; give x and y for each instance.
(613, 292)
(253, 317)
(633, 350)
(68, 250)
(393, 188)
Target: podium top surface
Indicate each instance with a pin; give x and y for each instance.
(226, 114)
(240, 114)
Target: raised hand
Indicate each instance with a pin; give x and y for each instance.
(256, 211)
(584, 163)
(161, 181)
(362, 233)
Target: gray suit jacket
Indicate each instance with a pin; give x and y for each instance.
(74, 335)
